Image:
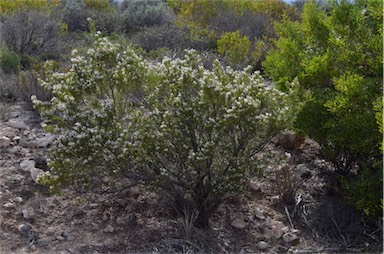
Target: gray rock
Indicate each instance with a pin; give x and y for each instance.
(18, 124)
(239, 224)
(19, 199)
(45, 141)
(259, 214)
(16, 150)
(9, 132)
(254, 185)
(71, 238)
(24, 229)
(108, 229)
(51, 231)
(277, 229)
(36, 173)
(24, 143)
(27, 165)
(28, 214)
(16, 139)
(289, 237)
(60, 238)
(4, 142)
(262, 245)
(9, 205)
(267, 233)
(44, 242)
(130, 219)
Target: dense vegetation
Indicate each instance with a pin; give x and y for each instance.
(129, 102)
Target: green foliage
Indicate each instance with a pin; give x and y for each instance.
(236, 47)
(214, 19)
(337, 56)
(190, 132)
(9, 60)
(364, 192)
(14, 6)
(101, 5)
(145, 13)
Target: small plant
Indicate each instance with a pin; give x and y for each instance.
(287, 186)
(5, 112)
(189, 218)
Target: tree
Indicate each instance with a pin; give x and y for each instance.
(336, 53)
(190, 132)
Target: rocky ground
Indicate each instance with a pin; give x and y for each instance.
(290, 208)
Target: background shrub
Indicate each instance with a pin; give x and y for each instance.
(145, 13)
(236, 47)
(31, 32)
(168, 36)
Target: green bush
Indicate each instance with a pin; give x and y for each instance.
(190, 132)
(336, 54)
(362, 191)
(236, 47)
(9, 60)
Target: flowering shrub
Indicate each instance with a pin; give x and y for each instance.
(192, 133)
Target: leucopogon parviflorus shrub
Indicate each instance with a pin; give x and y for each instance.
(191, 133)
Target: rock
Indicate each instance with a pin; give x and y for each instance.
(4, 142)
(254, 185)
(289, 237)
(277, 229)
(28, 214)
(19, 199)
(130, 219)
(16, 139)
(262, 245)
(295, 231)
(108, 229)
(60, 238)
(267, 233)
(36, 173)
(45, 141)
(9, 132)
(24, 143)
(9, 205)
(275, 199)
(27, 165)
(44, 242)
(24, 229)
(71, 238)
(16, 150)
(259, 214)
(50, 231)
(238, 223)
(18, 124)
